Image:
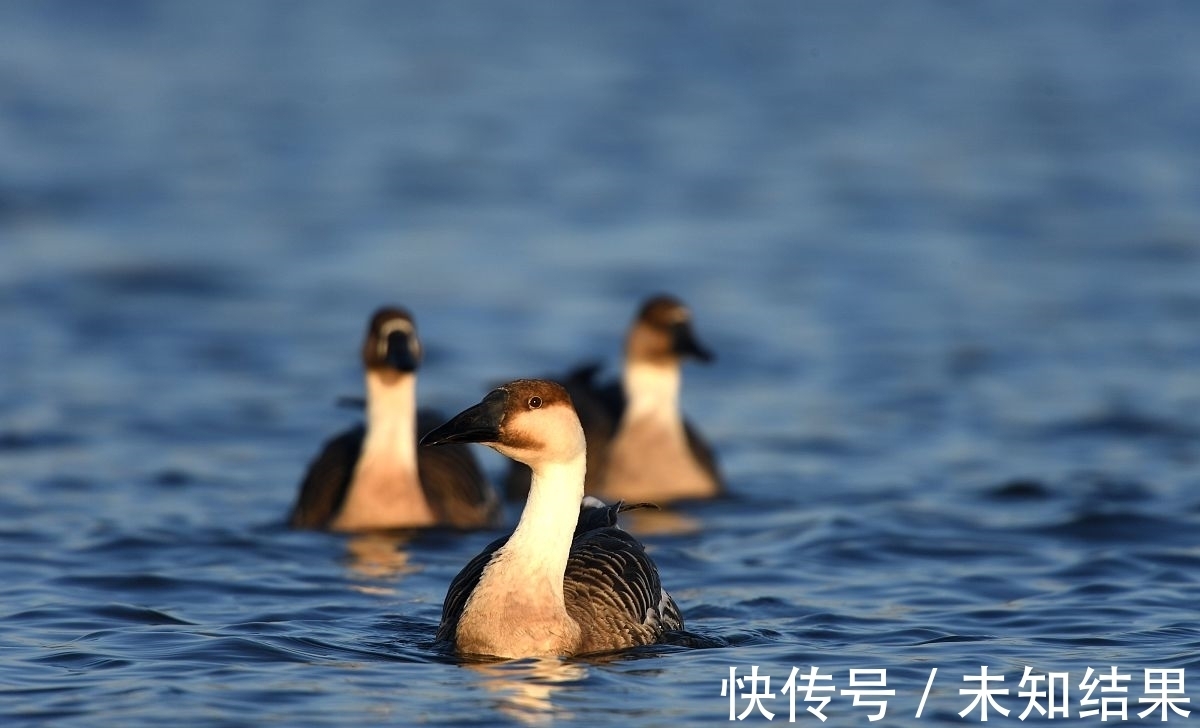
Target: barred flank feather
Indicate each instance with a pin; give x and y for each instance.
(611, 586)
(327, 481)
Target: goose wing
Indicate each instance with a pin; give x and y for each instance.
(454, 483)
(594, 516)
(606, 399)
(461, 588)
(327, 480)
(704, 454)
(600, 406)
(612, 589)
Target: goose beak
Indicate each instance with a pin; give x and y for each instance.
(684, 343)
(480, 423)
(400, 354)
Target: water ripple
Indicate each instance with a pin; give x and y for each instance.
(955, 398)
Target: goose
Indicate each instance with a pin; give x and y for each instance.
(372, 476)
(639, 445)
(566, 581)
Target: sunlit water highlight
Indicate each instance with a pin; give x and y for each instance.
(947, 256)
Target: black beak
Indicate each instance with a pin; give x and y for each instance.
(400, 355)
(685, 344)
(480, 423)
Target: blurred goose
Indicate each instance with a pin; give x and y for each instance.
(639, 445)
(372, 477)
(567, 581)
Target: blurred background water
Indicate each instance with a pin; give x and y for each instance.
(948, 255)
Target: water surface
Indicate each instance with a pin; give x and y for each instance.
(947, 256)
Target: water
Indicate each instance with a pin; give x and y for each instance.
(947, 255)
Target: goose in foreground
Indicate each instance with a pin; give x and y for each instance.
(372, 477)
(639, 445)
(567, 581)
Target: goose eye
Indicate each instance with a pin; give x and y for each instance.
(535, 402)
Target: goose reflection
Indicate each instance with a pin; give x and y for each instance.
(380, 555)
(525, 688)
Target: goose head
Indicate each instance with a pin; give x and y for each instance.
(391, 344)
(529, 420)
(662, 334)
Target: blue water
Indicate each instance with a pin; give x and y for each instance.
(948, 256)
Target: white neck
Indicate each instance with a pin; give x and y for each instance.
(651, 390)
(386, 491)
(392, 420)
(541, 543)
